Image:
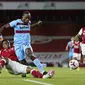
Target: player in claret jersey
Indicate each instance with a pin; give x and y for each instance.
(77, 50)
(22, 44)
(81, 34)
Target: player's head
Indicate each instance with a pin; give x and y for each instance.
(26, 16)
(72, 38)
(5, 44)
(77, 39)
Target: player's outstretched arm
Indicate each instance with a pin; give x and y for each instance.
(4, 26)
(66, 48)
(36, 24)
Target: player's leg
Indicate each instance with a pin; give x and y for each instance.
(77, 56)
(20, 55)
(69, 58)
(79, 60)
(34, 72)
(83, 52)
(18, 68)
(35, 60)
(29, 53)
(37, 74)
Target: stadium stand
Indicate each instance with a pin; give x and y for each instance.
(42, 0)
(47, 15)
(55, 23)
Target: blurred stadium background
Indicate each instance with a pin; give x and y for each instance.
(61, 20)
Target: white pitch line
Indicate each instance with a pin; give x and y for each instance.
(37, 82)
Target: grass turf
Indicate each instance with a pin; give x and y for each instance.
(63, 76)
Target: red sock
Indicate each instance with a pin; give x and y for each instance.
(39, 74)
(36, 74)
(33, 58)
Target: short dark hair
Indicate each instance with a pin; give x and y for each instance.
(6, 41)
(25, 12)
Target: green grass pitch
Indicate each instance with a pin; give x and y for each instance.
(63, 76)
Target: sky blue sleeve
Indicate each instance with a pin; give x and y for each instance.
(13, 23)
(68, 44)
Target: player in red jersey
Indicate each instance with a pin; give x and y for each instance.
(10, 57)
(77, 50)
(8, 51)
(81, 34)
(17, 68)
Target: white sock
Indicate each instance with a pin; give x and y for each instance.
(39, 65)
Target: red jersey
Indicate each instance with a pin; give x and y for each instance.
(77, 47)
(83, 35)
(9, 53)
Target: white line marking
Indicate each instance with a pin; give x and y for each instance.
(37, 82)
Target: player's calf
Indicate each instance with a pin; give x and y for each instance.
(36, 74)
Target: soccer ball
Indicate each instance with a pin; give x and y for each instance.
(73, 64)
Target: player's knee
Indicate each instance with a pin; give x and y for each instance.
(28, 70)
(29, 52)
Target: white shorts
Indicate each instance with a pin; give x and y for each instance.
(77, 56)
(83, 49)
(14, 67)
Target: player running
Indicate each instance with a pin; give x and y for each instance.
(77, 50)
(22, 44)
(81, 34)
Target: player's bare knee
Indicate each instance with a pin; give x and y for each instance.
(29, 52)
(28, 70)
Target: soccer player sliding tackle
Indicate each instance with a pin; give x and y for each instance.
(16, 68)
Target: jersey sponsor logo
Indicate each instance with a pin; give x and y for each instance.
(23, 27)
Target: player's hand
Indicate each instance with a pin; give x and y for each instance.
(1, 38)
(39, 22)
